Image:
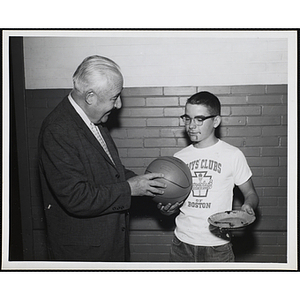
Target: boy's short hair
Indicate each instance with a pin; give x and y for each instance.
(208, 99)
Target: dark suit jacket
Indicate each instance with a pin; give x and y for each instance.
(86, 197)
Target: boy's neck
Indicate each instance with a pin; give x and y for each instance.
(206, 143)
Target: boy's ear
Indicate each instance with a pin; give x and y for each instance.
(217, 121)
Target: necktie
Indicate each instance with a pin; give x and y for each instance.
(100, 139)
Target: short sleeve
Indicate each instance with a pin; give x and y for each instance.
(242, 171)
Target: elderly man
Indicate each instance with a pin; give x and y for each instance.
(86, 189)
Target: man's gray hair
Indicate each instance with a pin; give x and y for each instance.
(91, 68)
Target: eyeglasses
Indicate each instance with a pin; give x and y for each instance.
(198, 119)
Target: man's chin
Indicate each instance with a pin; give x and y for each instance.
(104, 119)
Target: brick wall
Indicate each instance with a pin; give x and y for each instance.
(148, 126)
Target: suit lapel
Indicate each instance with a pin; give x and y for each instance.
(87, 132)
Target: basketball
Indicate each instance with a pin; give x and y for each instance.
(178, 179)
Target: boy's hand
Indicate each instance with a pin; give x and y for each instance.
(169, 209)
(248, 209)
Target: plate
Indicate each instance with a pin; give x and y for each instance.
(231, 219)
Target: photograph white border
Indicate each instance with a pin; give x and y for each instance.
(292, 250)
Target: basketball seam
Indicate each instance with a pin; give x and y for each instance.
(173, 181)
(170, 160)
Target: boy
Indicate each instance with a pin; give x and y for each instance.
(216, 168)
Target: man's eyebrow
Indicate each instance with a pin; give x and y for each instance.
(116, 96)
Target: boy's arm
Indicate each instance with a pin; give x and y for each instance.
(250, 195)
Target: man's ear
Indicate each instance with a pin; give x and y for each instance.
(217, 121)
(89, 97)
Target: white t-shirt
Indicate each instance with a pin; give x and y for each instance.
(215, 171)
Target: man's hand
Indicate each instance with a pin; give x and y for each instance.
(146, 185)
(169, 209)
